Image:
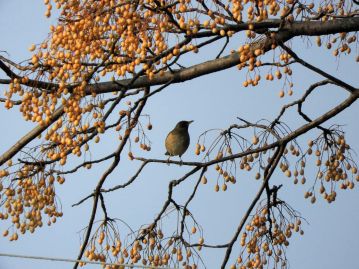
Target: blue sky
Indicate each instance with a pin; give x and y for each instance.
(213, 101)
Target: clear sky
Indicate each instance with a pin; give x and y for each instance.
(331, 237)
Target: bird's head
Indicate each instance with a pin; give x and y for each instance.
(183, 124)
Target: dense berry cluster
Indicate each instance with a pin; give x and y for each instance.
(150, 247)
(28, 200)
(265, 240)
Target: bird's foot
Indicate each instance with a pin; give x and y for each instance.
(181, 162)
(168, 161)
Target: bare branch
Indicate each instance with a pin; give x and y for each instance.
(301, 100)
(190, 199)
(132, 179)
(84, 164)
(171, 185)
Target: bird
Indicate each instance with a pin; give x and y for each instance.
(177, 141)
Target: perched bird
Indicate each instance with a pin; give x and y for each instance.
(177, 141)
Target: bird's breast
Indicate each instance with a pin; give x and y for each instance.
(177, 143)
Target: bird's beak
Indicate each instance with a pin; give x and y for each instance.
(190, 121)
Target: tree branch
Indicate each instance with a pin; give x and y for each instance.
(22, 142)
(287, 32)
(267, 175)
(337, 81)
